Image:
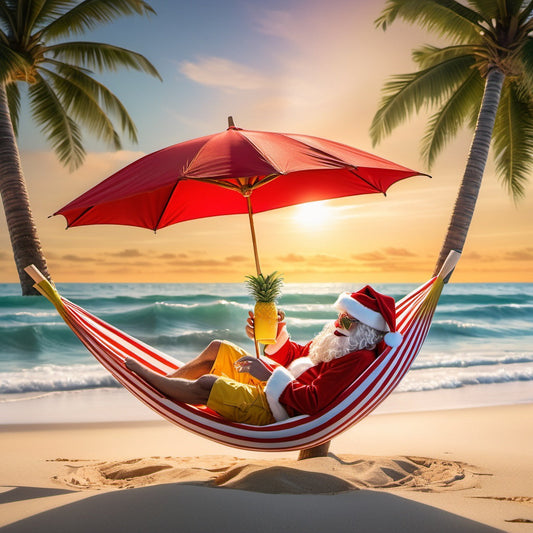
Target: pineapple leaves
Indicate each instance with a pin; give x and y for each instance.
(265, 289)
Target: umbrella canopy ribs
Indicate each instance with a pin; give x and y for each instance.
(235, 171)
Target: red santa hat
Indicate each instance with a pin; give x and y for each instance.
(373, 309)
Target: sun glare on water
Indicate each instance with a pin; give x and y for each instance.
(312, 214)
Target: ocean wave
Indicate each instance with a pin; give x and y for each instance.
(477, 328)
(50, 378)
(468, 360)
(35, 314)
(56, 378)
(112, 298)
(490, 313)
(190, 343)
(448, 328)
(28, 341)
(162, 317)
(414, 382)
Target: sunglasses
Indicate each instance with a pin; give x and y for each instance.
(347, 322)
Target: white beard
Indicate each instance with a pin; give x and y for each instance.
(327, 346)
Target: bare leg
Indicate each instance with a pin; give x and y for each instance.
(200, 365)
(195, 392)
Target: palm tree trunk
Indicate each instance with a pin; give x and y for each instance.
(317, 451)
(468, 192)
(22, 232)
(475, 167)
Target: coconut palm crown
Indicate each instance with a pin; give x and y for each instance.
(37, 48)
(483, 80)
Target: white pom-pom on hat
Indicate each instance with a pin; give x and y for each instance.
(393, 339)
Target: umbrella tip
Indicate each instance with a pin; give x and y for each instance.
(231, 124)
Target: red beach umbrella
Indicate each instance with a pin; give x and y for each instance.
(235, 171)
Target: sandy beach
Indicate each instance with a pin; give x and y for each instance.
(448, 470)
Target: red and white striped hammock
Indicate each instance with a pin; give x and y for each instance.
(110, 347)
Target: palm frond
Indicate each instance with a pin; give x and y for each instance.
(489, 8)
(101, 56)
(525, 14)
(90, 14)
(82, 105)
(427, 55)
(13, 101)
(82, 78)
(59, 129)
(27, 13)
(509, 8)
(525, 59)
(10, 62)
(473, 116)
(50, 10)
(407, 93)
(451, 116)
(513, 141)
(7, 15)
(445, 17)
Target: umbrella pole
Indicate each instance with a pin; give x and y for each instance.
(256, 256)
(252, 229)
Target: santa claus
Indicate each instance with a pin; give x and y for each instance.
(293, 379)
(311, 376)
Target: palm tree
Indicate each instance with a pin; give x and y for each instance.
(63, 95)
(483, 79)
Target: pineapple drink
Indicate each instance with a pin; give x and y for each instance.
(265, 291)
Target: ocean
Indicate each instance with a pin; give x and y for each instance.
(479, 349)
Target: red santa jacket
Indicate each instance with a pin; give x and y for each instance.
(301, 387)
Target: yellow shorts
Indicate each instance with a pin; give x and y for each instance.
(237, 396)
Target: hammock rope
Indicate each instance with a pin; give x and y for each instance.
(110, 346)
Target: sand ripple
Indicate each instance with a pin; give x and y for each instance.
(326, 475)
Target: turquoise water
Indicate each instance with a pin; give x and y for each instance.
(481, 333)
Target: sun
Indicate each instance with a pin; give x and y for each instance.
(312, 214)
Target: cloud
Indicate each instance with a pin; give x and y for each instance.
(128, 253)
(524, 254)
(370, 256)
(77, 258)
(475, 256)
(199, 263)
(325, 260)
(322, 261)
(236, 259)
(134, 265)
(219, 72)
(275, 22)
(291, 258)
(399, 252)
(171, 256)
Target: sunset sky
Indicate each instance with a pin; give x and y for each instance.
(296, 66)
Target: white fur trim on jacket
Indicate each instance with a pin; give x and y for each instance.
(281, 339)
(300, 365)
(276, 384)
(365, 315)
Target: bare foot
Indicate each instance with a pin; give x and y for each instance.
(133, 365)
